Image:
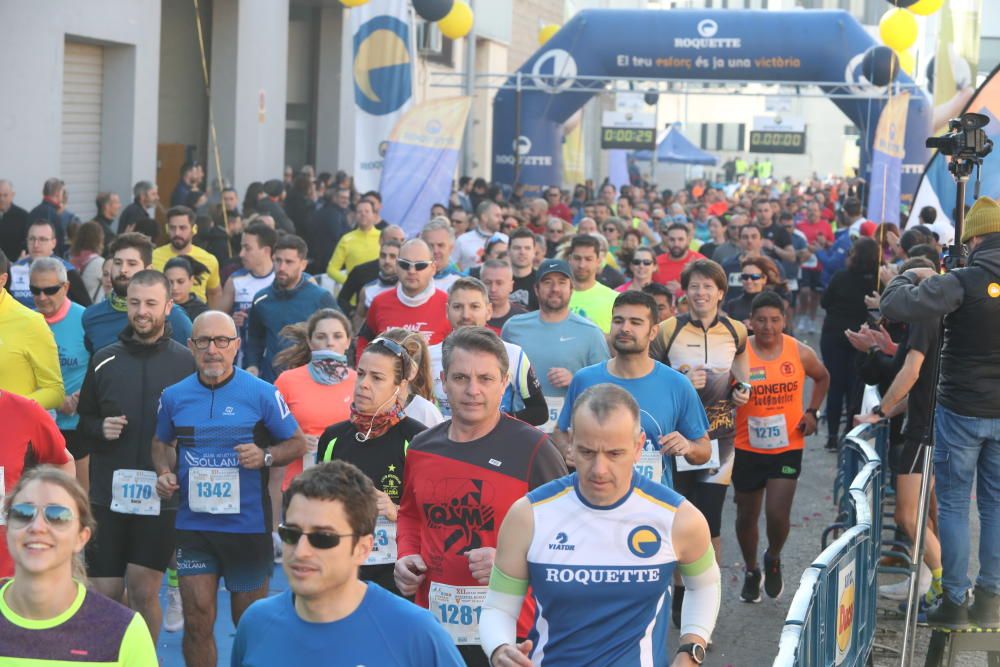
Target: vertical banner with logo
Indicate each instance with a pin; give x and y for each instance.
(420, 161)
(383, 82)
(846, 599)
(887, 161)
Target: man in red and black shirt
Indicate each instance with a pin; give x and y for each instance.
(30, 437)
(415, 305)
(460, 480)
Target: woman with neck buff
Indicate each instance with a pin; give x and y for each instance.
(375, 438)
(46, 610)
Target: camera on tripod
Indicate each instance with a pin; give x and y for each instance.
(966, 139)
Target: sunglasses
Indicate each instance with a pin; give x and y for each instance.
(751, 276)
(642, 262)
(22, 514)
(48, 291)
(221, 342)
(407, 265)
(317, 540)
(392, 346)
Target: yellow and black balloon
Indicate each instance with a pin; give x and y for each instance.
(898, 29)
(453, 17)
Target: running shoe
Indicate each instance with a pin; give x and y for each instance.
(901, 589)
(922, 608)
(751, 587)
(773, 584)
(173, 620)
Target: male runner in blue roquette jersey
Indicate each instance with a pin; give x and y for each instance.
(218, 432)
(598, 548)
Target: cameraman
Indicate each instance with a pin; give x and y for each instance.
(967, 421)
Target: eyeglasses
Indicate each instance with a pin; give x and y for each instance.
(318, 540)
(40, 239)
(751, 276)
(642, 262)
(22, 514)
(610, 230)
(48, 291)
(221, 342)
(407, 265)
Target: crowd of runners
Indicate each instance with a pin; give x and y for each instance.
(506, 438)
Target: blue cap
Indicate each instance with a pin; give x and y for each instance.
(553, 266)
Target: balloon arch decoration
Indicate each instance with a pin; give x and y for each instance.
(826, 49)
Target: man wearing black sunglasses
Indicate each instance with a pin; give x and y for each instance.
(329, 518)
(415, 305)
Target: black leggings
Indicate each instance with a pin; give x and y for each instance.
(839, 358)
(707, 497)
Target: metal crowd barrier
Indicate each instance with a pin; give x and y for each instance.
(831, 620)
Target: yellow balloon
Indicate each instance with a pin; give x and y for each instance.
(925, 7)
(353, 3)
(546, 32)
(907, 61)
(458, 22)
(898, 29)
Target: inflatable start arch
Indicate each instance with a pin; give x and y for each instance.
(724, 44)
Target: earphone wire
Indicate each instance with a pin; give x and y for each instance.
(364, 438)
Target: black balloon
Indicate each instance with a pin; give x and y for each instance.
(432, 10)
(880, 65)
(902, 4)
(651, 96)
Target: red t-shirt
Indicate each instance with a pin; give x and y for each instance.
(560, 210)
(387, 312)
(668, 268)
(812, 230)
(30, 435)
(456, 495)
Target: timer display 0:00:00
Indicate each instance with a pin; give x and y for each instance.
(791, 139)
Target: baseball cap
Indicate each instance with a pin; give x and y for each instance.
(553, 266)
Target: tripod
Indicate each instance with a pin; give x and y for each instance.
(960, 168)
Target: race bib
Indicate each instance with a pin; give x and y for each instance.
(555, 407)
(650, 464)
(768, 432)
(811, 263)
(710, 464)
(20, 280)
(457, 609)
(214, 490)
(384, 551)
(134, 492)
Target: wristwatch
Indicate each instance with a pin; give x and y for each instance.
(268, 459)
(813, 411)
(878, 411)
(696, 651)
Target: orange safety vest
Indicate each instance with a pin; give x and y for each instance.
(767, 423)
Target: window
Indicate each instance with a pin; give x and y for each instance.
(434, 46)
(718, 136)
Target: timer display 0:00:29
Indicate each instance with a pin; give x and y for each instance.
(624, 137)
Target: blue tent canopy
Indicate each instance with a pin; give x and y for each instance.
(675, 148)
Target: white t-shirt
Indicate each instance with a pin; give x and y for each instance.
(423, 411)
(469, 249)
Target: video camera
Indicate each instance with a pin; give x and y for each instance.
(966, 139)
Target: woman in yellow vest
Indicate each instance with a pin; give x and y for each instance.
(770, 435)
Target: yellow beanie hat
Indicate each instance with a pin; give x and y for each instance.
(982, 219)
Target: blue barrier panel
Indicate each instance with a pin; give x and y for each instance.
(832, 617)
(792, 643)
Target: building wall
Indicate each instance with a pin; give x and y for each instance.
(183, 113)
(32, 39)
(529, 16)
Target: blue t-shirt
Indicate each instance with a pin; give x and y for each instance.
(73, 358)
(667, 402)
(216, 493)
(384, 630)
(572, 344)
(102, 323)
